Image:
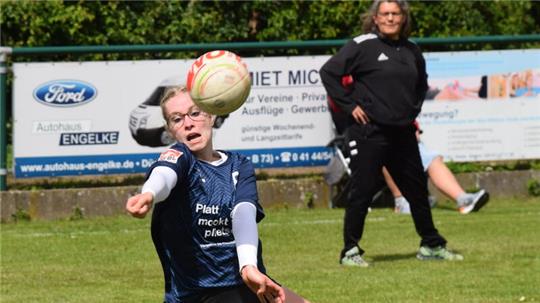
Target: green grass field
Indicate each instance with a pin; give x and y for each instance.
(113, 260)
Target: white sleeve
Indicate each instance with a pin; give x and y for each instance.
(244, 229)
(160, 183)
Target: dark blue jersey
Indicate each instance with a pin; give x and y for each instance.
(192, 228)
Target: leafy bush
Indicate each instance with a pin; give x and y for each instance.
(468, 167)
(21, 215)
(533, 187)
(64, 23)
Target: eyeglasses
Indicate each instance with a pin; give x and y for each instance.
(388, 14)
(194, 114)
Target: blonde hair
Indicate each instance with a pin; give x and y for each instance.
(170, 92)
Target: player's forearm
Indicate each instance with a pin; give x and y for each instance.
(244, 229)
(160, 183)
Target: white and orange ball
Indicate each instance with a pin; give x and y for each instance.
(219, 82)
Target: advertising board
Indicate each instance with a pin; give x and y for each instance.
(79, 118)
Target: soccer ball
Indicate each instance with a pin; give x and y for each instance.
(219, 82)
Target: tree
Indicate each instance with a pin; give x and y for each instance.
(69, 23)
(115, 22)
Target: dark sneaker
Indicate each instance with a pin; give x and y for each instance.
(353, 258)
(437, 253)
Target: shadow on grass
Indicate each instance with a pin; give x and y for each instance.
(394, 257)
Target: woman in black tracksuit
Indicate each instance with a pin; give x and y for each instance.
(388, 89)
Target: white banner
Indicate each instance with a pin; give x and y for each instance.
(483, 105)
(103, 117)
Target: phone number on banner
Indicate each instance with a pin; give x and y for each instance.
(288, 157)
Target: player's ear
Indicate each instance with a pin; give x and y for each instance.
(212, 120)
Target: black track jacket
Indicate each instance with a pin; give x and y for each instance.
(390, 80)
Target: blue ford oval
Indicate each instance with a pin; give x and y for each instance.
(65, 93)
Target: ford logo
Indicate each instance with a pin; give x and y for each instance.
(65, 93)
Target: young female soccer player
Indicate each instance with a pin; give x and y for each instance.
(204, 223)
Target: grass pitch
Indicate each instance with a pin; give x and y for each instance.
(113, 259)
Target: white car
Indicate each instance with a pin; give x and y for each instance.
(146, 122)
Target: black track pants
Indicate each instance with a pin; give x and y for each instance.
(371, 147)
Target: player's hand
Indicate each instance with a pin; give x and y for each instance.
(265, 289)
(359, 115)
(139, 205)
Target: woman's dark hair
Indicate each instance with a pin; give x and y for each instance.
(368, 25)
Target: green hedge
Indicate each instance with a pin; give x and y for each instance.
(61, 23)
